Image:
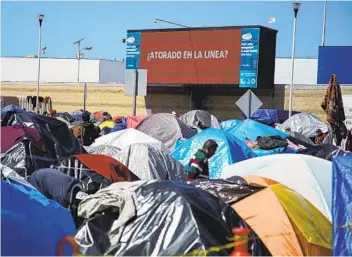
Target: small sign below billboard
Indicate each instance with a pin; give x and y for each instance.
(249, 103)
(130, 82)
(133, 50)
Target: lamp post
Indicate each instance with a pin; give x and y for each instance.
(169, 22)
(40, 19)
(324, 23)
(78, 54)
(295, 6)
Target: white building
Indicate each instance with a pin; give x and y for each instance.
(58, 70)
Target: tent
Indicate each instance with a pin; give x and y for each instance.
(107, 124)
(65, 115)
(107, 150)
(325, 151)
(300, 138)
(117, 127)
(341, 211)
(157, 218)
(271, 116)
(200, 119)
(124, 138)
(251, 129)
(166, 128)
(230, 150)
(286, 222)
(32, 225)
(307, 175)
(227, 124)
(133, 121)
(306, 124)
(23, 150)
(149, 162)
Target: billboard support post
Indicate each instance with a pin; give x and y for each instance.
(135, 93)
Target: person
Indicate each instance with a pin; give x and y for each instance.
(320, 137)
(87, 132)
(57, 186)
(199, 167)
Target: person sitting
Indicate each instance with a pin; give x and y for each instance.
(199, 166)
(320, 137)
(87, 132)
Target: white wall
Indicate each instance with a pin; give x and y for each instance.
(51, 70)
(305, 71)
(111, 72)
(104, 71)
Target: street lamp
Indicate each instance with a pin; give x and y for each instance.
(78, 54)
(40, 19)
(295, 6)
(156, 20)
(324, 23)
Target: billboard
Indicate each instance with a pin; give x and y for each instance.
(196, 56)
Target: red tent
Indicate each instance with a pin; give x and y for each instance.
(134, 121)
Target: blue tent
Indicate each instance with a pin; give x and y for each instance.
(11, 108)
(30, 223)
(270, 116)
(341, 205)
(251, 129)
(118, 127)
(227, 124)
(230, 151)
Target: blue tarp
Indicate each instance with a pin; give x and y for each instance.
(227, 124)
(231, 150)
(251, 129)
(118, 127)
(30, 223)
(341, 205)
(270, 116)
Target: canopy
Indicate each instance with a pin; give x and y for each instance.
(271, 116)
(166, 128)
(286, 222)
(31, 224)
(124, 138)
(149, 162)
(156, 218)
(227, 124)
(306, 124)
(341, 211)
(230, 150)
(309, 176)
(200, 119)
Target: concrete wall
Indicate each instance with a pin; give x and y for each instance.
(104, 71)
(111, 72)
(222, 104)
(305, 71)
(51, 70)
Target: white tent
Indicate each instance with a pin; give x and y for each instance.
(124, 138)
(309, 176)
(148, 163)
(166, 128)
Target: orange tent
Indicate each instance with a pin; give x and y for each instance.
(285, 221)
(134, 121)
(107, 167)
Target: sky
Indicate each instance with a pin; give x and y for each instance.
(104, 24)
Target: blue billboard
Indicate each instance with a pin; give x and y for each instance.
(335, 60)
(249, 57)
(133, 50)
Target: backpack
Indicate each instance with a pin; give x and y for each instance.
(271, 142)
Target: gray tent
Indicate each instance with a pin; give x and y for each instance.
(148, 163)
(200, 119)
(166, 128)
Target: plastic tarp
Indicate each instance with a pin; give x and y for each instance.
(59, 141)
(307, 175)
(251, 129)
(306, 124)
(157, 218)
(227, 124)
(133, 121)
(341, 211)
(149, 162)
(165, 128)
(124, 138)
(10, 175)
(230, 191)
(230, 150)
(107, 124)
(195, 117)
(326, 151)
(32, 225)
(271, 116)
